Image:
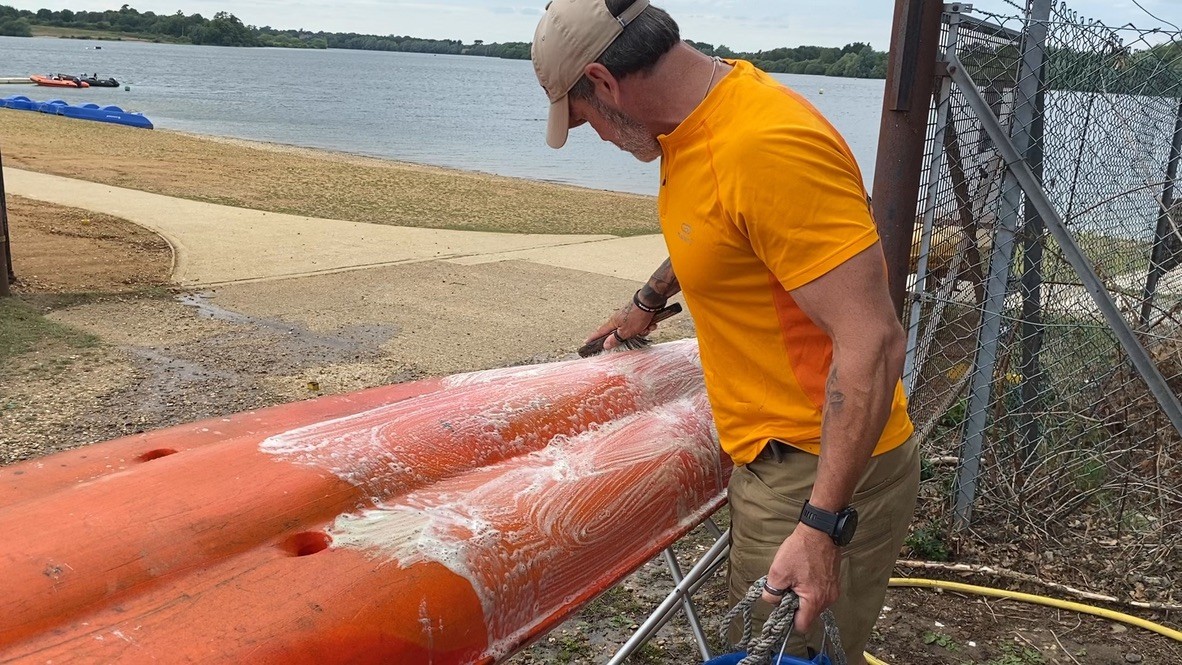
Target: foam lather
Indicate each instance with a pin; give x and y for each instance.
(446, 521)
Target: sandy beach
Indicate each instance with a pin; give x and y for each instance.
(313, 183)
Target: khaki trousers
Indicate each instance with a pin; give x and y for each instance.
(766, 497)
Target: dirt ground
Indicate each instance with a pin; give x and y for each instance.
(116, 351)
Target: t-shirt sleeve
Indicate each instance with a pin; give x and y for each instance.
(797, 196)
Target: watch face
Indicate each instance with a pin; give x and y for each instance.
(847, 523)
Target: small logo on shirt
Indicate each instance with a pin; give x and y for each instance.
(685, 233)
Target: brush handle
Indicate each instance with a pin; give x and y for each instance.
(596, 345)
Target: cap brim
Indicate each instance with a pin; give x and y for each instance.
(558, 125)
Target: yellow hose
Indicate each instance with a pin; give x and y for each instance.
(1040, 600)
(1035, 599)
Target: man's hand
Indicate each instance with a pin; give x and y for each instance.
(629, 321)
(809, 563)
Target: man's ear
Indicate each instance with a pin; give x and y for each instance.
(607, 87)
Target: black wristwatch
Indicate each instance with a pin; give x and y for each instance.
(839, 526)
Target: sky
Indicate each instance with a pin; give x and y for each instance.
(742, 25)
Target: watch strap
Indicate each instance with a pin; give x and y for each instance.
(819, 519)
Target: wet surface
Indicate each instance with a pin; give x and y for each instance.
(176, 380)
(348, 343)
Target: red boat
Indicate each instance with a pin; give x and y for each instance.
(58, 81)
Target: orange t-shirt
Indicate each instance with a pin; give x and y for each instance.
(759, 196)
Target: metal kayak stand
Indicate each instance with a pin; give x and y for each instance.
(680, 599)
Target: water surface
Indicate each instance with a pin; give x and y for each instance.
(482, 114)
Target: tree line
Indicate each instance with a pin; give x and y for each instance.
(857, 60)
(1154, 71)
(225, 29)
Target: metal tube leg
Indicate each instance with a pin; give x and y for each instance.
(694, 587)
(713, 528)
(695, 578)
(691, 613)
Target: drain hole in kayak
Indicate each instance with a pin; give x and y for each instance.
(156, 454)
(308, 542)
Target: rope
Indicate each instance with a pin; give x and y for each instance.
(777, 628)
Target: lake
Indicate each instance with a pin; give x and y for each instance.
(474, 113)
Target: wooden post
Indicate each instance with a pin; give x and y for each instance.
(907, 101)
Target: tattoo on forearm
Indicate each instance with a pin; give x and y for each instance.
(662, 285)
(834, 398)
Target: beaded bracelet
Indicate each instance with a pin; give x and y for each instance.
(643, 307)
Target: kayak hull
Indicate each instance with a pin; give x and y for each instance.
(452, 521)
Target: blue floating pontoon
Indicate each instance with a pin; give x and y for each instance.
(20, 103)
(111, 114)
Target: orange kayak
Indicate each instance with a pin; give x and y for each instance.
(453, 522)
(52, 82)
(41, 477)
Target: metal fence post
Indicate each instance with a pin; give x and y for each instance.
(5, 250)
(997, 284)
(915, 39)
(1165, 253)
(1033, 240)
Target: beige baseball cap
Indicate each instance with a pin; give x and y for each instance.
(571, 35)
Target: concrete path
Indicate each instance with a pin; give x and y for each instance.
(216, 244)
(632, 258)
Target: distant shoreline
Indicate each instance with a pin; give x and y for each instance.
(854, 60)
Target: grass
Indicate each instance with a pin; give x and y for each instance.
(927, 542)
(615, 603)
(23, 329)
(313, 183)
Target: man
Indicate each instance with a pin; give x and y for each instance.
(774, 247)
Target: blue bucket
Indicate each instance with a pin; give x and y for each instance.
(734, 658)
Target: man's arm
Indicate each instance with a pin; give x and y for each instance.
(661, 286)
(852, 306)
(631, 321)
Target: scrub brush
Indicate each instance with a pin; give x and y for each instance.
(596, 345)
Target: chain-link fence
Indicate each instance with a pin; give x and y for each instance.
(1079, 475)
